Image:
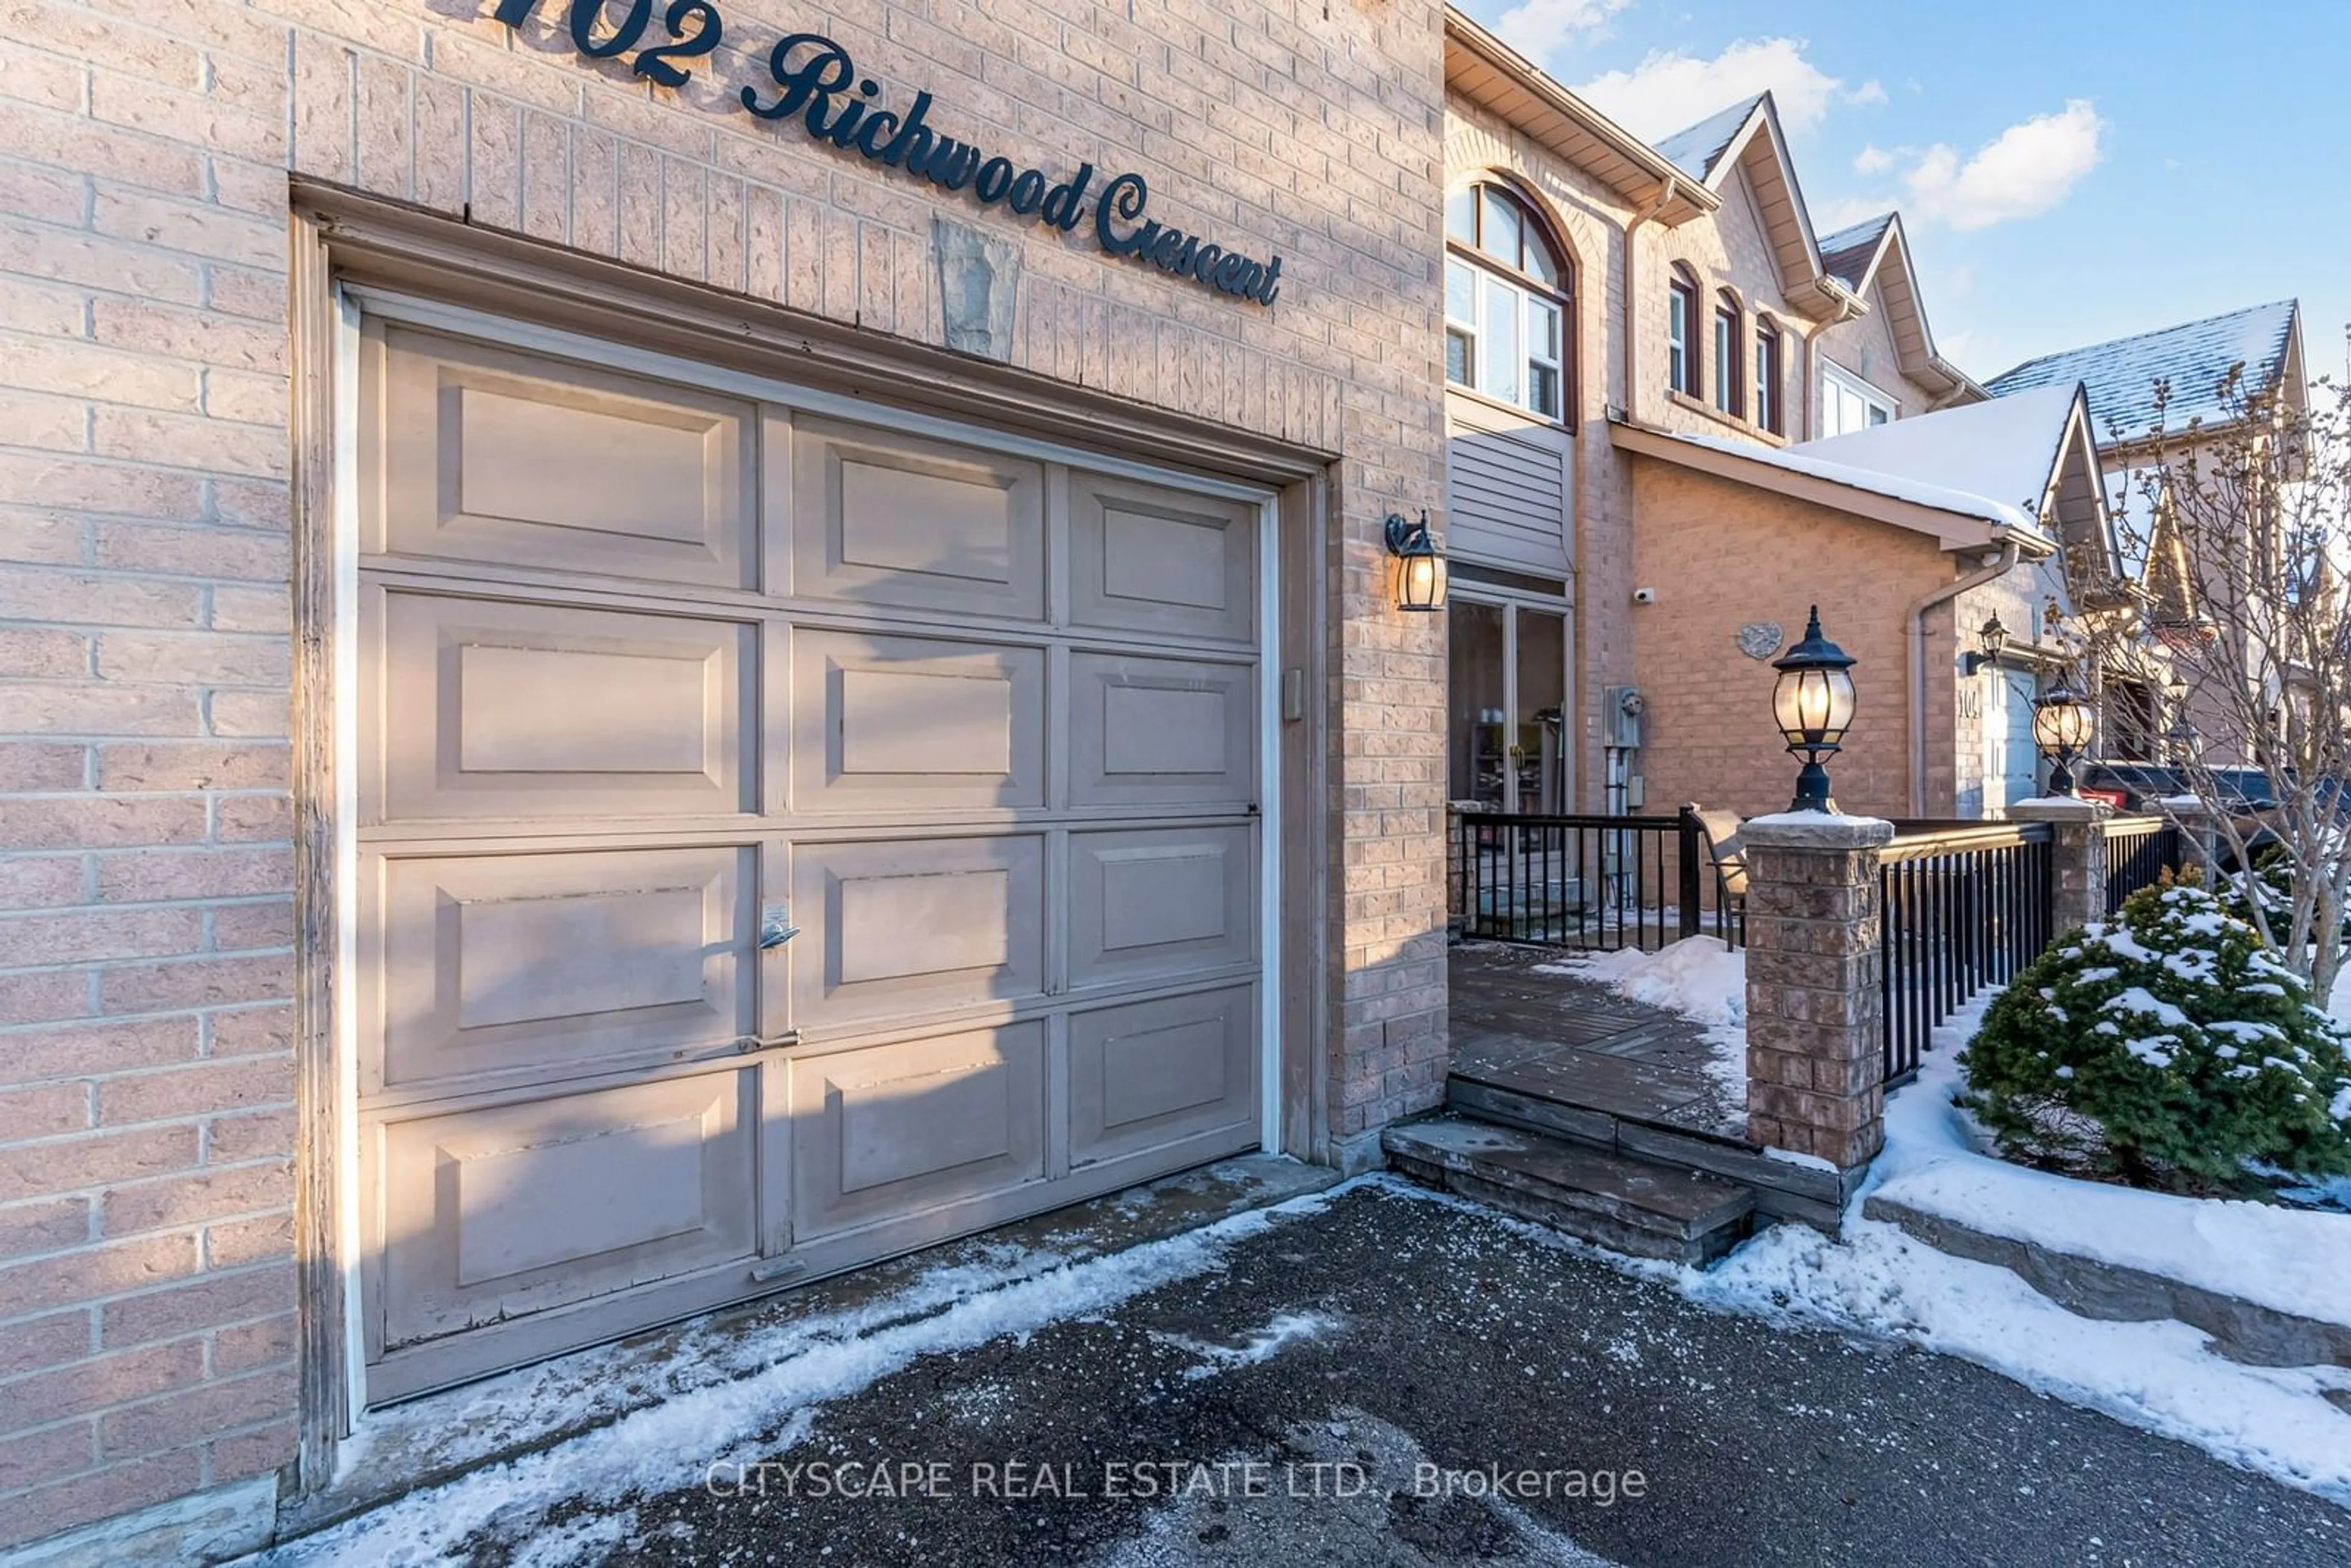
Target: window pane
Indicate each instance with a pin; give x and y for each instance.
(1460, 293)
(1501, 239)
(1879, 416)
(1726, 361)
(1456, 356)
(1503, 359)
(1543, 331)
(1461, 216)
(1543, 389)
(1539, 258)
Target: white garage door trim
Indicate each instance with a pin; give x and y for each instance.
(407, 310)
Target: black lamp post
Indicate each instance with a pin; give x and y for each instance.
(1813, 703)
(1421, 574)
(2062, 723)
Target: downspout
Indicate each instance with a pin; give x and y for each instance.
(2010, 552)
(1847, 308)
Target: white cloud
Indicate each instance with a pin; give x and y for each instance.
(1872, 160)
(1872, 91)
(1843, 212)
(2023, 171)
(1539, 28)
(1670, 90)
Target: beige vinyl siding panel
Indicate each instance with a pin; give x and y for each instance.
(1508, 494)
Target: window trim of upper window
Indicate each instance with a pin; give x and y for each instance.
(1534, 235)
(1870, 396)
(1730, 336)
(1771, 376)
(1681, 288)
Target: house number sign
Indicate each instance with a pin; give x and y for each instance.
(817, 87)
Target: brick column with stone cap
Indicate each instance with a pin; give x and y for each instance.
(2077, 875)
(1815, 1005)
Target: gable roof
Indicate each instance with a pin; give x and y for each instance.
(2194, 357)
(1697, 148)
(2036, 451)
(1748, 136)
(1850, 253)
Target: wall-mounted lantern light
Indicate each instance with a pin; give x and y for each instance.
(1813, 702)
(1420, 570)
(2062, 723)
(1992, 638)
(2186, 742)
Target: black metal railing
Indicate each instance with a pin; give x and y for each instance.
(2140, 850)
(1593, 882)
(1964, 908)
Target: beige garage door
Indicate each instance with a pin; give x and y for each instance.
(784, 842)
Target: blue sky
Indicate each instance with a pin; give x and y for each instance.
(2069, 171)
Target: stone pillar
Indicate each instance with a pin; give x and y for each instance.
(1815, 1002)
(2200, 844)
(2077, 880)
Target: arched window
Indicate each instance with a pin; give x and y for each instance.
(1681, 331)
(1729, 330)
(1767, 374)
(1507, 326)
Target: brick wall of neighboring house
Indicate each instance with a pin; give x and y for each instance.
(1722, 555)
(146, 1287)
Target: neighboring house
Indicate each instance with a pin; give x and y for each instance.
(1702, 453)
(2158, 398)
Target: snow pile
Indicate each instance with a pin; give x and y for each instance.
(1699, 978)
(2157, 1375)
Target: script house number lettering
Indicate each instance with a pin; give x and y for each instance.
(817, 87)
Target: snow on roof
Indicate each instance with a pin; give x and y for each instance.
(1807, 461)
(1696, 150)
(2194, 357)
(1845, 255)
(2004, 449)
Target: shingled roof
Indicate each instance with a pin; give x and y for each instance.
(1696, 150)
(2194, 358)
(1845, 255)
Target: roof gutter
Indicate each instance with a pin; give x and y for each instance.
(2011, 552)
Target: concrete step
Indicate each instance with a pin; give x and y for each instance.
(1610, 1199)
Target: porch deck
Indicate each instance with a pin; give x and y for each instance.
(1536, 1049)
(1521, 1024)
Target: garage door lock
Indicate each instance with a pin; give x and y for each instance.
(776, 926)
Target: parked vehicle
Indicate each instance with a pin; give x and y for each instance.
(2138, 786)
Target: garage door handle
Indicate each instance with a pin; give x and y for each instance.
(745, 1044)
(776, 926)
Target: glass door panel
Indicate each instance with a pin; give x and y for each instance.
(1539, 738)
(1479, 767)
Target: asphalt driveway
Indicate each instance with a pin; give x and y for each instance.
(1396, 1379)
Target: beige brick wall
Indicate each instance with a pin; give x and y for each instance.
(146, 1287)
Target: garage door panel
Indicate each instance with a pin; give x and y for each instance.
(1148, 902)
(1146, 558)
(491, 1213)
(892, 1129)
(1153, 1072)
(559, 962)
(897, 724)
(522, 460)
(492, 708)
(884, 519)
(915, 925)
(1146, 731)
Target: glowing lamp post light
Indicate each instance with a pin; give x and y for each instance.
(2062, 722)
(1420, 569)
(1813, 703)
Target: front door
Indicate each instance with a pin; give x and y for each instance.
(2012, 762)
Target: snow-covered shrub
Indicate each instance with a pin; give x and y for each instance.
(2166, 1047)
(2268, 884)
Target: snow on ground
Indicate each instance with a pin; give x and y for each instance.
(1702, 979)
(666, 1446)
(1881, 1283)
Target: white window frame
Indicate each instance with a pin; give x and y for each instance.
(1727, 322)
(1850, 385)
(1681, 304)
(1487, 279)
(1768, 350)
